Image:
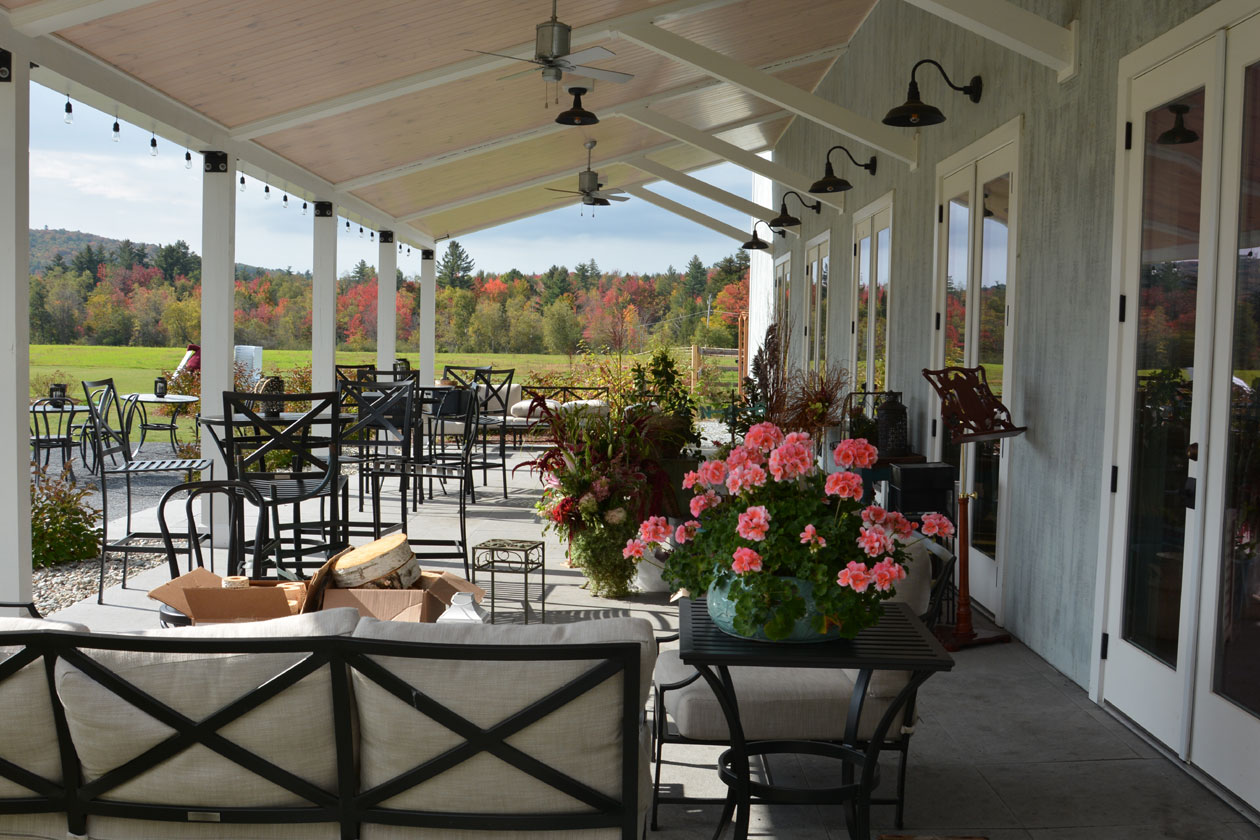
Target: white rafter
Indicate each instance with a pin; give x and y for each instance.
(1017, 29)
(403, 170)
(728, 151)
(417, 82)
(695, 185)
(687, 213)
(891, 141)
(543, 180)
(48, 16)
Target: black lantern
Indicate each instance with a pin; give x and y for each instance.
(57, 393)
(892, 424)
(159, 387)
(915, 113)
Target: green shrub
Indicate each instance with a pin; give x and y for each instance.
(63, 527)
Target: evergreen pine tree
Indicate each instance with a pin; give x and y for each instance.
(455, 267)
(697, 278)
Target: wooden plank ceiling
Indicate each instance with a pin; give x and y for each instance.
(473, 150)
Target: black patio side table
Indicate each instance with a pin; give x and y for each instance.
(523, 556)
(898, 642)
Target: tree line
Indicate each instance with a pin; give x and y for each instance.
(135, 295)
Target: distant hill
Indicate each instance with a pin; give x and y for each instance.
(47, 243)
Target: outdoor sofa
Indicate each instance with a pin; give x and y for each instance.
(325, 726)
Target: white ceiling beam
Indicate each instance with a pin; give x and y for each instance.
(112, 91)
(741, 157)
(48, 16)
(1016, 29)
(552, 177)
(476, 65)
(403, 170)
(688, 213)
(695, 185)
(891, 141)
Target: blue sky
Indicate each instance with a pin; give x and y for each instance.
(82, 180)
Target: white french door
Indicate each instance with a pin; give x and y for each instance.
(817, 268)
(1169, 278)
(872, 269)
(977, 273)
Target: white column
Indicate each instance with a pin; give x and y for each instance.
(218, 290)
(15, 472)
(428, 314)
(386, 298)
(324, 299)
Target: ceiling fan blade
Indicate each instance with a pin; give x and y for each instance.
(518, 74)
(611, 190)
(607, 197)
(501, 55)
(601, 75)
(588, 54)
(570, 192)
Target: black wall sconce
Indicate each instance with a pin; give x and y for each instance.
(784, 219)
(829, 183)
(914, 113)
(756, 243)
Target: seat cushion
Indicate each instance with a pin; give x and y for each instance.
(582, 739)
(293, 730)
(521, 408)
(598, 407)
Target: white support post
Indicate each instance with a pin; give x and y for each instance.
(729, 151)
(386, 298)
(324, 299)
(428, 315)
(688, 213)
(15, 471)
(218, 306)
(863, 129)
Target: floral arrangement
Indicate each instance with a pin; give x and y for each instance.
(766, 517)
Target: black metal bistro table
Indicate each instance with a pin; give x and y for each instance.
(147, 425)
(899, 642)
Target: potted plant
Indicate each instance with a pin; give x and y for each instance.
(783, 551)
(601, 475)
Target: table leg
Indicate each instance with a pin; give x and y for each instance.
(737, 799)
(174, 416)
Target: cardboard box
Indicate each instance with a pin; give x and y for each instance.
(200, 595)
(424, 602)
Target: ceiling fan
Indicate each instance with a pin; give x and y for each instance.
(551, 53)
(589, 187)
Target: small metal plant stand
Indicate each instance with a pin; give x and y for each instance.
(515, 556)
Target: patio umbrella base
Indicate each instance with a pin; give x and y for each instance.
(952, 640)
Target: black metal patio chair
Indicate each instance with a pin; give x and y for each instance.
(379, 430)
(52, 430)
(290, 460)
(110, 440)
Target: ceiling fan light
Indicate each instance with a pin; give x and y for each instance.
(577, 115)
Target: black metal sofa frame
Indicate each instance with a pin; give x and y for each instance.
(347, 806)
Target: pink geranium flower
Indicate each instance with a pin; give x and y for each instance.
(874, 541)
(791, 460)
(753, 523)
(654, 529)
(634, 548)
(686, 531)
(744, 477)
(802, 438)
(690, 480)
(812, 538)
(712, 472)
(886, 573)
(855, 576)
(763, 436)
(899, 525)
(846, 485)
(855, 452)
(746, 560)
(703, 502)
(874, 515)
(744, 454)
(937, 524)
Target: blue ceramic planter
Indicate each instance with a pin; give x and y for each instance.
(722, 611)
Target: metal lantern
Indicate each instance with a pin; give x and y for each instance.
(159, 387)
(892, 424)
(57, 393)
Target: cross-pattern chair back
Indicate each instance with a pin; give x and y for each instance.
(462, 375)
(461, 405)
(309, 441)
(236, 493)
(352, 373)
(371, 375)
(379, 414)
(494, 386)
(109, 434)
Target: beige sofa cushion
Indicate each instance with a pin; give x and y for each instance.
(810, 703)
(520, 409)
(582, 740)
(293, 730)
(596, 407)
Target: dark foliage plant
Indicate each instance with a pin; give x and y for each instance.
(64, 528)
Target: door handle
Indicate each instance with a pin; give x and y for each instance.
(1188, 492)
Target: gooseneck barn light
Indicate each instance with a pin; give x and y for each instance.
(915, 113)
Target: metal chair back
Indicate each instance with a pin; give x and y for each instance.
(465, 376)
(311, 452)
(379, 414)
(237, 493)
(109, 434)
(495, 385)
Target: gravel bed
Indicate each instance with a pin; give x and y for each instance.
(60, 586)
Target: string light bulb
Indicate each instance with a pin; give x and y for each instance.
(153, 145)
(347, 225)
(266, 192)
(303, 208)
(360, 231)
(187, 159)
(242, 187)
(284, 202)
(117, 130)
(69, 111)
(409, 250)
(372, 236)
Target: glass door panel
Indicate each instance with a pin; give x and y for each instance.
(811, 312)
(957, 276)
(879, 309)
(1166, 326)
(861, 375)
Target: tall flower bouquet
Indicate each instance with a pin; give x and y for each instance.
(600, 475)
(766, 519)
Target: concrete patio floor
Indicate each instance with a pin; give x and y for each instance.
(1006, 747)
